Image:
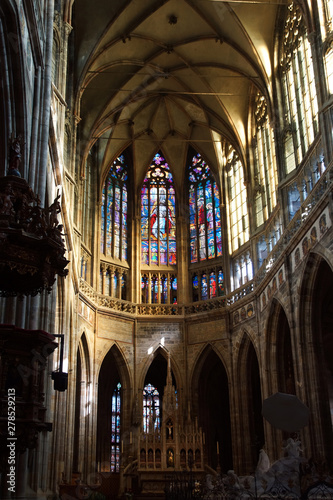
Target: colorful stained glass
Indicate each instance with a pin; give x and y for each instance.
(154, 290)
(195, 288)
(115, 429)
(115, 284)
(103, 222)
(151, 409)
(220, 283)
(194, 249)
(212, 285)
(164, 290)
(204, 287)
(123, 286)
(108, 283)
(158, 221)
(204, 208)
(114, 211)
(173, 291)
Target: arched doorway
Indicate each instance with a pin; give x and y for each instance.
(82, 410)
(285, 364)
(112, 419)
(211, 391)
(249, 396)
(157, 373)
(320, 335)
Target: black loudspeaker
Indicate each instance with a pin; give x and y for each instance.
(60, 381)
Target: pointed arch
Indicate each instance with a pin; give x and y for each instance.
(249, 402)
(83, 402)
(158, 215)
(316, 305)
(156, 380)
(279, 351)
(161, 353)
(113, 371)
(211, 402)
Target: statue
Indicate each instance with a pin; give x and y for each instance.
(293, 448)
(263, 462)
(170, 429)
(209, 482)
(6, 204)
(170, 458)
(15, 156)
(54, 210)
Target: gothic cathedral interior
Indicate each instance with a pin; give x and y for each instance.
(165, 240)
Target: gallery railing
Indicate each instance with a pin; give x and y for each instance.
(320, 190)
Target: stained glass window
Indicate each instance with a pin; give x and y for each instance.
(237, 201)
(204, 287)
(123, 286)
(265, 172)
(158, 218)
(294, 200)
(151, 409)
(115, 284)
(220, 283)
(205, 218)
(212, 285)
(115, 429)
(87, 209)
(298, 88)
(173, 290)
(108, 282)
(195, 288)
(164, 290)
(114, 211)
(83, 268)
(154, 289)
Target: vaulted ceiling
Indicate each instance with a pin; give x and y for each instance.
(165, 74)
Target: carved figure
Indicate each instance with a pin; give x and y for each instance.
(6, 204)
(37, 224)
(170, 458)
(293, 448)
(170, 429)
(263, 462)
(54, 210)
(15, 156)
(209, 482)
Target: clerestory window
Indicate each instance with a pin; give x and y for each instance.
(298, 88)
(114, 211)
(205, 217)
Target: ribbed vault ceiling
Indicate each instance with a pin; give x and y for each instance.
(166, 74)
